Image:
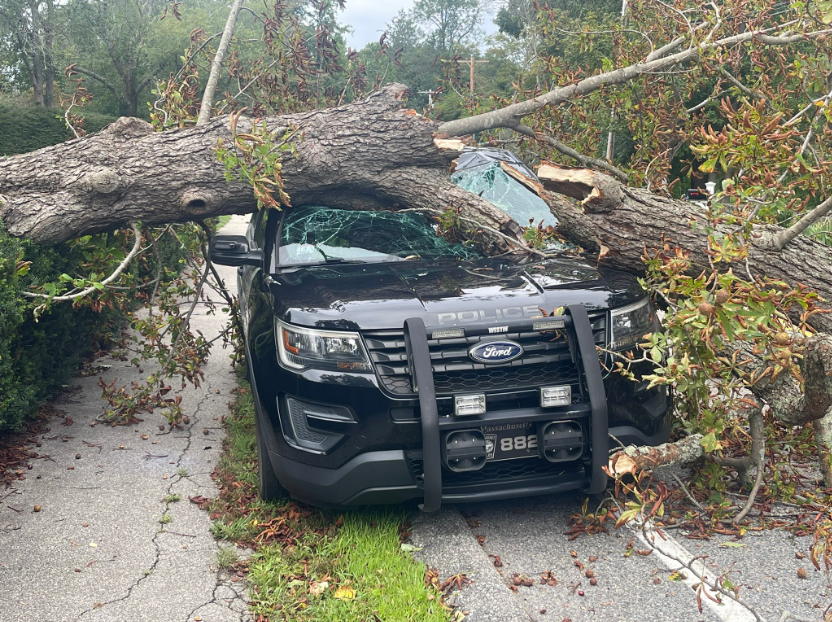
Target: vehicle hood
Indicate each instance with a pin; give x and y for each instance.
(444, 294)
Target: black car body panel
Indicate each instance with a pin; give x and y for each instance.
(338, 437)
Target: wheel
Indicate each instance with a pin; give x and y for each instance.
(268, 487)
(247, 368)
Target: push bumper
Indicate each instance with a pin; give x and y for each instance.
(387, 477)
(576, 323)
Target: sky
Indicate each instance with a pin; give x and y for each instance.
(369, 18)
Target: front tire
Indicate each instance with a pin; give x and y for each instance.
(269, 487)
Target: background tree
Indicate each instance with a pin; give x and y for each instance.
(27, 30)
(449, 24)
(123, 47)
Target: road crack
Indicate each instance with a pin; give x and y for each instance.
(167, 505)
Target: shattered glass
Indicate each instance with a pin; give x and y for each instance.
(494, 185)
(319, 234)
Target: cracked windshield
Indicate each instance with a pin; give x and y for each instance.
(323, 234)
(494, 185)
(319, 234)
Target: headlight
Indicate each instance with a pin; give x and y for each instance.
(631, 323)
(304, 348)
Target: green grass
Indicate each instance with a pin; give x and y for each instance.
(227, 556)
(312, 565)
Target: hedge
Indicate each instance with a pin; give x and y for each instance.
(38, 357)
(24, 128)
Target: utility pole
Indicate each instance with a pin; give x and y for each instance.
(611, 135)
(430, 95)
(471, 63)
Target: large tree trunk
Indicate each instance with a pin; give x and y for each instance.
(370, 153)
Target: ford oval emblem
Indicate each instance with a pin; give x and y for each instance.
(495, 352)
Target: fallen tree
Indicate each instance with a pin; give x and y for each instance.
(368, 154)
(371, 154)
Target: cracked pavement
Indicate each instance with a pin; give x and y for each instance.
(97, 550)
(527, 537)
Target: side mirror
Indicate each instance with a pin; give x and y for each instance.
(232, 250)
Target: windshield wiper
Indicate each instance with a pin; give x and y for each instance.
(327, 261)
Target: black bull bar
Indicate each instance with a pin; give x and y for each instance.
(576, 322)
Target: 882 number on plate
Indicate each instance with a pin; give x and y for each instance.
(509, 443)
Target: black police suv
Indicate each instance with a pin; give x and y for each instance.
(389, 364)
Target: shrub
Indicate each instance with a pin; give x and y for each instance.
(24, 128)
(38, 356)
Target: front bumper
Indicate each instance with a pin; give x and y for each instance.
(388, 477)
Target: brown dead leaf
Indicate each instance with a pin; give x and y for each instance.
(622, 464)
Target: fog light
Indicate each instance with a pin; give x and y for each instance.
(469, 404)
(555, 396)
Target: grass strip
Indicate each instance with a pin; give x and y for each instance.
(312, 564)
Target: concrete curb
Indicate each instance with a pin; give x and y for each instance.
(448, 545)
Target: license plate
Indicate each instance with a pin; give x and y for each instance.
(510, 441)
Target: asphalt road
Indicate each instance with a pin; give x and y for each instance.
(97, 551)
(527, 536)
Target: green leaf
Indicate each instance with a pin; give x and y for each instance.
(825, 11)
(709, 442)
(656, 355)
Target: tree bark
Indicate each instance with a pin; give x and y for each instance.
(370, 153)
(626, 221)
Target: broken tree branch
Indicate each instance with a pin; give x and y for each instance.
(510, 115)
(115, 274)
(216, 64)
(633, 459)
(584, 160)
(783, 237)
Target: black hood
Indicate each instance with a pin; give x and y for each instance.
(381, 296)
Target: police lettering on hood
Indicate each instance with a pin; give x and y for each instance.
(478, 315)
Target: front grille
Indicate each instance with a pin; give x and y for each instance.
(505, 378)
(499, 471)
(546, 360)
